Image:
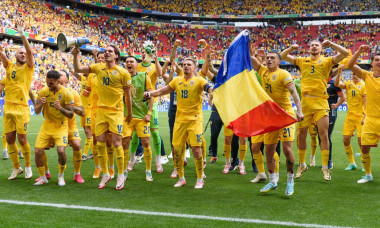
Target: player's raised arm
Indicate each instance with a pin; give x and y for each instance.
(156, 93)
(158, 66)
(174, 50)
(342, 52)
(78, 68)
(285, 54)
(338, 82)
(3, 57)
(25, 42)
(352, 61)
(255, 62)
(208, 66)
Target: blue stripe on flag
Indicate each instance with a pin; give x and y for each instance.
(237, 59)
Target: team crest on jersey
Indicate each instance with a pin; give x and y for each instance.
(192, 82)
(114, 72)
(328, 85)
(149, 69)
(359, 86)
(319, 61)
(274, 77)
(59, 97)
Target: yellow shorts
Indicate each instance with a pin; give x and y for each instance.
(51, 130)
(73, 133)
(257, 138)
(371, 131)
(16, 118)
(184, 130)
(85, 121)
(94, 112)
(228, 132)
(142, 128)
(285, 135)
(109, 120)
(352, 123)
(313, 110)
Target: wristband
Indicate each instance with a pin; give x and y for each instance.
(149, 113)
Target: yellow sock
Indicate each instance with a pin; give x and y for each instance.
(350, 154)
(277, 160)
(4, 140)
(301, 156)
(77, 159)
(366, 161)
(87, 145)
(203, 147)
(120, 159)
(259, 161)
(313, 144)
(178, 160)
(110, 154)
(13, 154)
(242, 152)
(95, 153)
(41, 171)
(148, 158)
(325, 158)
(45, 161)
(25, 149)
(61, 168)
(227, 151)
(199, 167)
(126, 159)
(103, 156)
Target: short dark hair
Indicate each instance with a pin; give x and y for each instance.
(275, 52)
(131, 56)
(373, 56)
(67, 74)
(190, 59)
(53, 74)
(99, 53)
(117, 51)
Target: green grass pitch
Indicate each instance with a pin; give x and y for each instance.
(340, 202)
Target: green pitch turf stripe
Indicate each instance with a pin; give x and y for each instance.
(187, 216)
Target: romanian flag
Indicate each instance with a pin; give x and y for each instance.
(242, 104)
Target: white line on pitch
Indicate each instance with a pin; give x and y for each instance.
(187, 216)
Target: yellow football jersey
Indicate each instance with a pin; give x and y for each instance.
(111, 83)
(86, 101)
(275, 84)
(372, 86)
(355, 97)
(315, 74)
(189, 97)
(50, 113)
(151, 70)
(92, 83)
(17, 83)
(77, 103)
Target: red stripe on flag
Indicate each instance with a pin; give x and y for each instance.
(264, 118)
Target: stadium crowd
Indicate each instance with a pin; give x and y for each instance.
(128, 35)
(246, 7)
